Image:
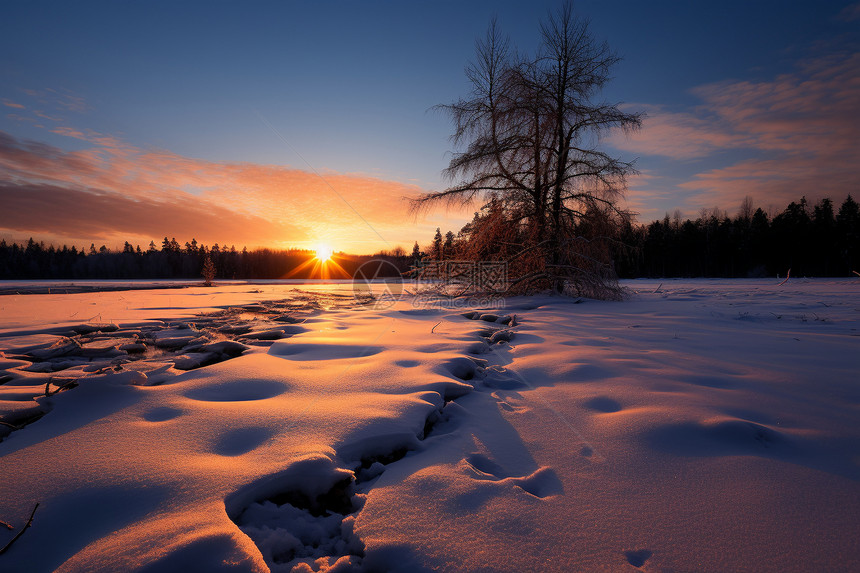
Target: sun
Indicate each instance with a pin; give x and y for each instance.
(323, 252)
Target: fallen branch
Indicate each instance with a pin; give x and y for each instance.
(6, 525)
(787, 276)
(20, 533)
(434, 326)
(67, 386)
(856, 273)
(8, 425)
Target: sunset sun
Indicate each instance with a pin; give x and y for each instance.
(323, 252)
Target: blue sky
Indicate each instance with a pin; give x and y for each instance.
(202, 106)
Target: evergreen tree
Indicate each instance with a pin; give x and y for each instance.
(824, 240)
(208, 271)
(759, 244)
(448, 246)
(848, 227)
(437, 245)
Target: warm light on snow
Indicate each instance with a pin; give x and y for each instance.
(655, 433)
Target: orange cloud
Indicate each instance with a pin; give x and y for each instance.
(676, 135)
(799, 132)
(643, 190)
(44, 209)
(119, 191)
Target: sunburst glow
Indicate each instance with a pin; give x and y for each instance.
(323, 252)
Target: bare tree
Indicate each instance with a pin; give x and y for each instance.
(746, 210)
(531, 129)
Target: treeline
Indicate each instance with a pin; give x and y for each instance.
(810, 240)
(817, 240)
(35, 260)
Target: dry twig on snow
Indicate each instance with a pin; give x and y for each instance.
(20, 533)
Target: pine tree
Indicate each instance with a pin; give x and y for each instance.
(437, 245)
(208, 271)
(448, 246)
(848, 227)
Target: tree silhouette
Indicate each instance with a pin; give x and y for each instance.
(437, 245)
(848, 226)
(531, 128)
(208, 271)
(448, 246)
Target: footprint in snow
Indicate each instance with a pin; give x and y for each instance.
(241, 441)
(487, 468)
(541, 483)
(508, 403)
(603, 404)
(503, 379)
(639, 557)
(464, 368)
(237, 391)
(161, 414)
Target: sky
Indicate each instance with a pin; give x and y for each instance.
(293, 124)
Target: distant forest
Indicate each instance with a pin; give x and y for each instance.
(173, 261)
(810, 240)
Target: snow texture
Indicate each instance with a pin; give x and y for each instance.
(699, 425)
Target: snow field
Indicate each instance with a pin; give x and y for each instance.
(701, 425)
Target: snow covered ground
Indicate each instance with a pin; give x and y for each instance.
(697, 426)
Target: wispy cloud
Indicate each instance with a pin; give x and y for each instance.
(44, 115)
(24, 119)
(678, 135)
(40, 208)
(59, 98)
(112, 188)
(850, 13)
(644, 190)
(798, 131)
(10, 103)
